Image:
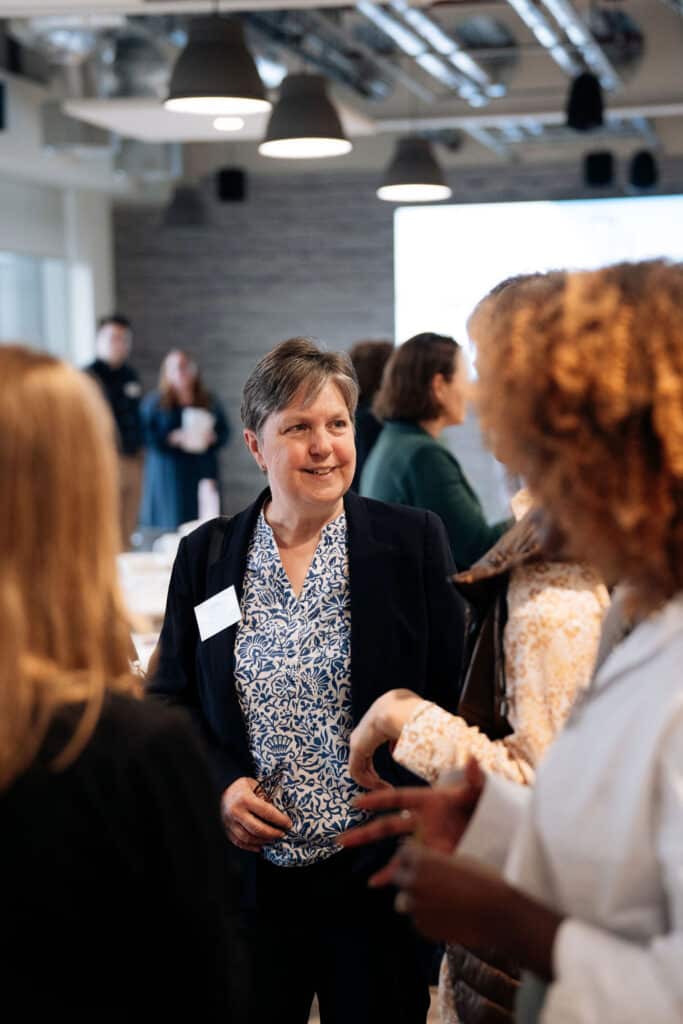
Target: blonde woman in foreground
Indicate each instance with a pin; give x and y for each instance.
(111, 867)
(584, 398)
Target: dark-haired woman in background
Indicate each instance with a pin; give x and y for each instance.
(424, 391)
(184, 428)
(369, 359)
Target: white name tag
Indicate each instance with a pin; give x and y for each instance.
(217, 613)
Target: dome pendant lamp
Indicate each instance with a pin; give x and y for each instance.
(413, 175)
(304, 125)
(215, 74)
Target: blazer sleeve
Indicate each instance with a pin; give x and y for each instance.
(173, 667)
(446, 618)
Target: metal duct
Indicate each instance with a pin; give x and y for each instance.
(63, 39)
(62, 133)
(307, 38)
(137, 66)
(148, 162)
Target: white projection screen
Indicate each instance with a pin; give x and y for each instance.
(447, 257)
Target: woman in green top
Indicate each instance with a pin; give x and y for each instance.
(423, 391)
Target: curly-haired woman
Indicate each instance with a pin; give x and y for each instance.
(584, 397)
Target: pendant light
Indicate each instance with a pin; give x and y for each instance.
(413, 175)
(215, 74)
(304, 124)
(585, 104)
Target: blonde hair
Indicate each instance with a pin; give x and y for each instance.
(581, 391)
(64, 634)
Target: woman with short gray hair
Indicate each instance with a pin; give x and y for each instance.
(283, 625)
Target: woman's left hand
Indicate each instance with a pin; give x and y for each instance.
(381, 723)
(461, 901)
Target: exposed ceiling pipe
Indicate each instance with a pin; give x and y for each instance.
(445, 45)
(311, 46)
(416, 47)
(578, 33)
(387, 67)
(547, 36)
(485, 137)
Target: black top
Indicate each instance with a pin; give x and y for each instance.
(121, 388)
(406, 623)
(113, 881)
(367, 428)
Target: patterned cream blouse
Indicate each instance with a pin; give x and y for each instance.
(555, 613)
(555, 610)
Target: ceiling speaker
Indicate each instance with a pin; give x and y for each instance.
(584, 104)
(643, 170)
(231, 185)
(598, 169)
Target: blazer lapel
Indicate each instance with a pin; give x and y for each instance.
(228, 571)
(371, 563)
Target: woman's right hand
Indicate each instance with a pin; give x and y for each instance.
(381, 723)
(437, 817)
(176, 438)
(250, 821)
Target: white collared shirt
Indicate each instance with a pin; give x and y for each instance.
(600, 838)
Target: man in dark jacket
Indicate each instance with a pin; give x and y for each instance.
(121, 387)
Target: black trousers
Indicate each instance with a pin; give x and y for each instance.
(320, 931)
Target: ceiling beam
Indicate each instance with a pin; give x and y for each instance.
(673, 108)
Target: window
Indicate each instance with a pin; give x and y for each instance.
(34, 302)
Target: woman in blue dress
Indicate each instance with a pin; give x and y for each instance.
(178, 458)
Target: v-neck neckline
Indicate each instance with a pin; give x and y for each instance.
(289, 589)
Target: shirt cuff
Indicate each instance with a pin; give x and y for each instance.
(494, 822)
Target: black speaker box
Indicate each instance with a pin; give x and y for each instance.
(584, 104)
(643, 170)
(231, 185)
(598, 168)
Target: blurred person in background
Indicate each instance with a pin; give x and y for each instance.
(121, 387)
(580, 880)
(113, 889)
(369, 359)
(423, 391)
(185, 426)
(322, 600)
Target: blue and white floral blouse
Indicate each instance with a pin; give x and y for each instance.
(292, 673)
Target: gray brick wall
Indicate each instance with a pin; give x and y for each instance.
(303, 254)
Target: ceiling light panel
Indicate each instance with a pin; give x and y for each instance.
(579, 34)
(440, 41)
(402, 36)
(415, 46)
(546, 35)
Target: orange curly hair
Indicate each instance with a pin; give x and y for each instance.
(581, 391)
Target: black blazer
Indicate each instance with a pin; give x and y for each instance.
(406, 623)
